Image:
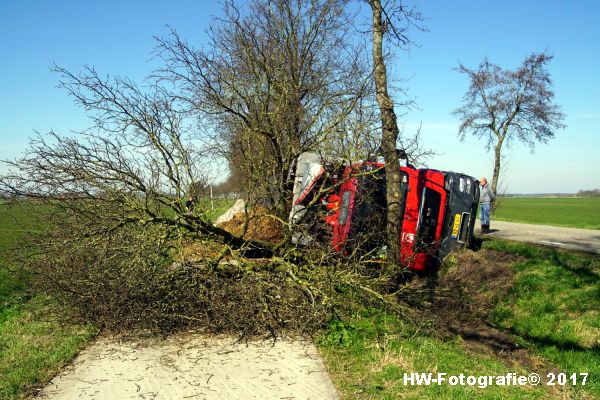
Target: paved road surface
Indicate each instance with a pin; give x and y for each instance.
(586, 240)
(193, 366)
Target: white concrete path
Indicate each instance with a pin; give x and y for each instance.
(237, 207)
(193, 366)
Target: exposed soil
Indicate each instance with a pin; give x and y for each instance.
(465, 295)
(261, 226)
(195, 250)
(471, 287)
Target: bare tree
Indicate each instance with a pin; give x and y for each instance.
(134, 166)
(277, 78)
(274, 81)
(392, 20)
(501, 106)
(115, 193)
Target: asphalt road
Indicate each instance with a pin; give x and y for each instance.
(585, 240)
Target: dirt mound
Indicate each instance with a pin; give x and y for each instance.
(196, 250)
(262, 226)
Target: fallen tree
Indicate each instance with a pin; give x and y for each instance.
(116, 219)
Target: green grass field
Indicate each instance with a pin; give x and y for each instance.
(367, 359)
(570, 212)
(220, 206)
(555, 306)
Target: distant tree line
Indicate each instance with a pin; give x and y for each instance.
(588, 193)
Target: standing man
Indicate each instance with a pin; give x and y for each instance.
(486, 198)
(190, 203)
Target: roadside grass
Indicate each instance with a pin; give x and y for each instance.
(368, 357)
(220, 206)
(36, 340)
(36, 335)
(555, 306)
(569, 212)
(553, 309)
(15, 222)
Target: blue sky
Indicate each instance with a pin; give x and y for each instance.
(117, 36)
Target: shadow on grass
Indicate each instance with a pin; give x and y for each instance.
(585, 272)
(561, 258)
(547, 341)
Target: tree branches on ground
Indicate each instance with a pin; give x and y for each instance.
(130, 278)
(504, 105)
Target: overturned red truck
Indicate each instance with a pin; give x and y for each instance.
(346, 206)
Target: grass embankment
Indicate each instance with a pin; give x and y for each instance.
(555, 306)
(552, 311)
(367, 359)
(218, 207)
(570, 212)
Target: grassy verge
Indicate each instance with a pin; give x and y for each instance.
(555, 306)
(570, 212)
(218, 207)
(552, 310)
(368, 357)
(35, 342)
(36, 339)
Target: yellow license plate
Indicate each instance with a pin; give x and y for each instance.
(456, 226)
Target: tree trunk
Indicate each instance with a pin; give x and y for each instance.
(388, 142)
(496, 177)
